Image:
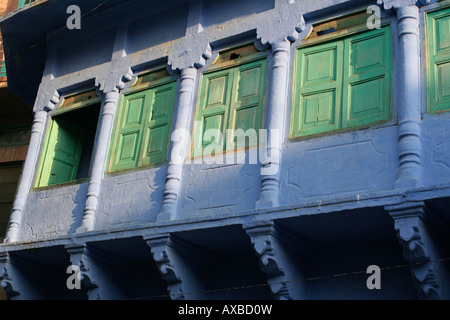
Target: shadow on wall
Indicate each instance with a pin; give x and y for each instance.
(78, 211)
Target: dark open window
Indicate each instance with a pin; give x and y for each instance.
(69, 144)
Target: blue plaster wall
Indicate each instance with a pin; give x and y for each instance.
(333, 165)
(436, 149)
(131, 197)
(53, 212)
(355, 162)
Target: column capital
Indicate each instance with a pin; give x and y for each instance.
(397, 4)
(115, 81)
(284, 27)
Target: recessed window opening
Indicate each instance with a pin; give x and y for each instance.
(70, 143)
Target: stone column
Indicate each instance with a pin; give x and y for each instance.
(409, 113)
(180, 143)
(277, 98)
(26, 179)
(99, 159)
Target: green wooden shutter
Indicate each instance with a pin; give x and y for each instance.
(318, 97)
(438, 33)
(63, 153)
(247, 97)
(143, 127)
(158, 123)
(367, 78)
(128, 142)
(213, 112)
(343, 83)
(231, 99)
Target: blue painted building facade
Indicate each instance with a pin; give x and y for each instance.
(336, 201)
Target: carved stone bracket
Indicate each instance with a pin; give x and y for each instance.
(285, 24)
(160, 250)
(79, 257)
(263, 237)
(412, 235)
(6, 281)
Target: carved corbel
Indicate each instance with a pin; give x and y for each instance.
(160, 250)
(263, 237)
(6, 281)
(53, 102)
(285, 24)
(127, 80)
(412, 236)
(183, 55)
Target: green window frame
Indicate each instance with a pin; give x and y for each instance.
(142, 129)
(438, 40)
(21, 3)
(69, 140)
(343, 83)
(230, 98)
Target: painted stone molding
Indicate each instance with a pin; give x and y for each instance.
(159, 246)
(6, 281)
(263, 238)
(411, 233)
